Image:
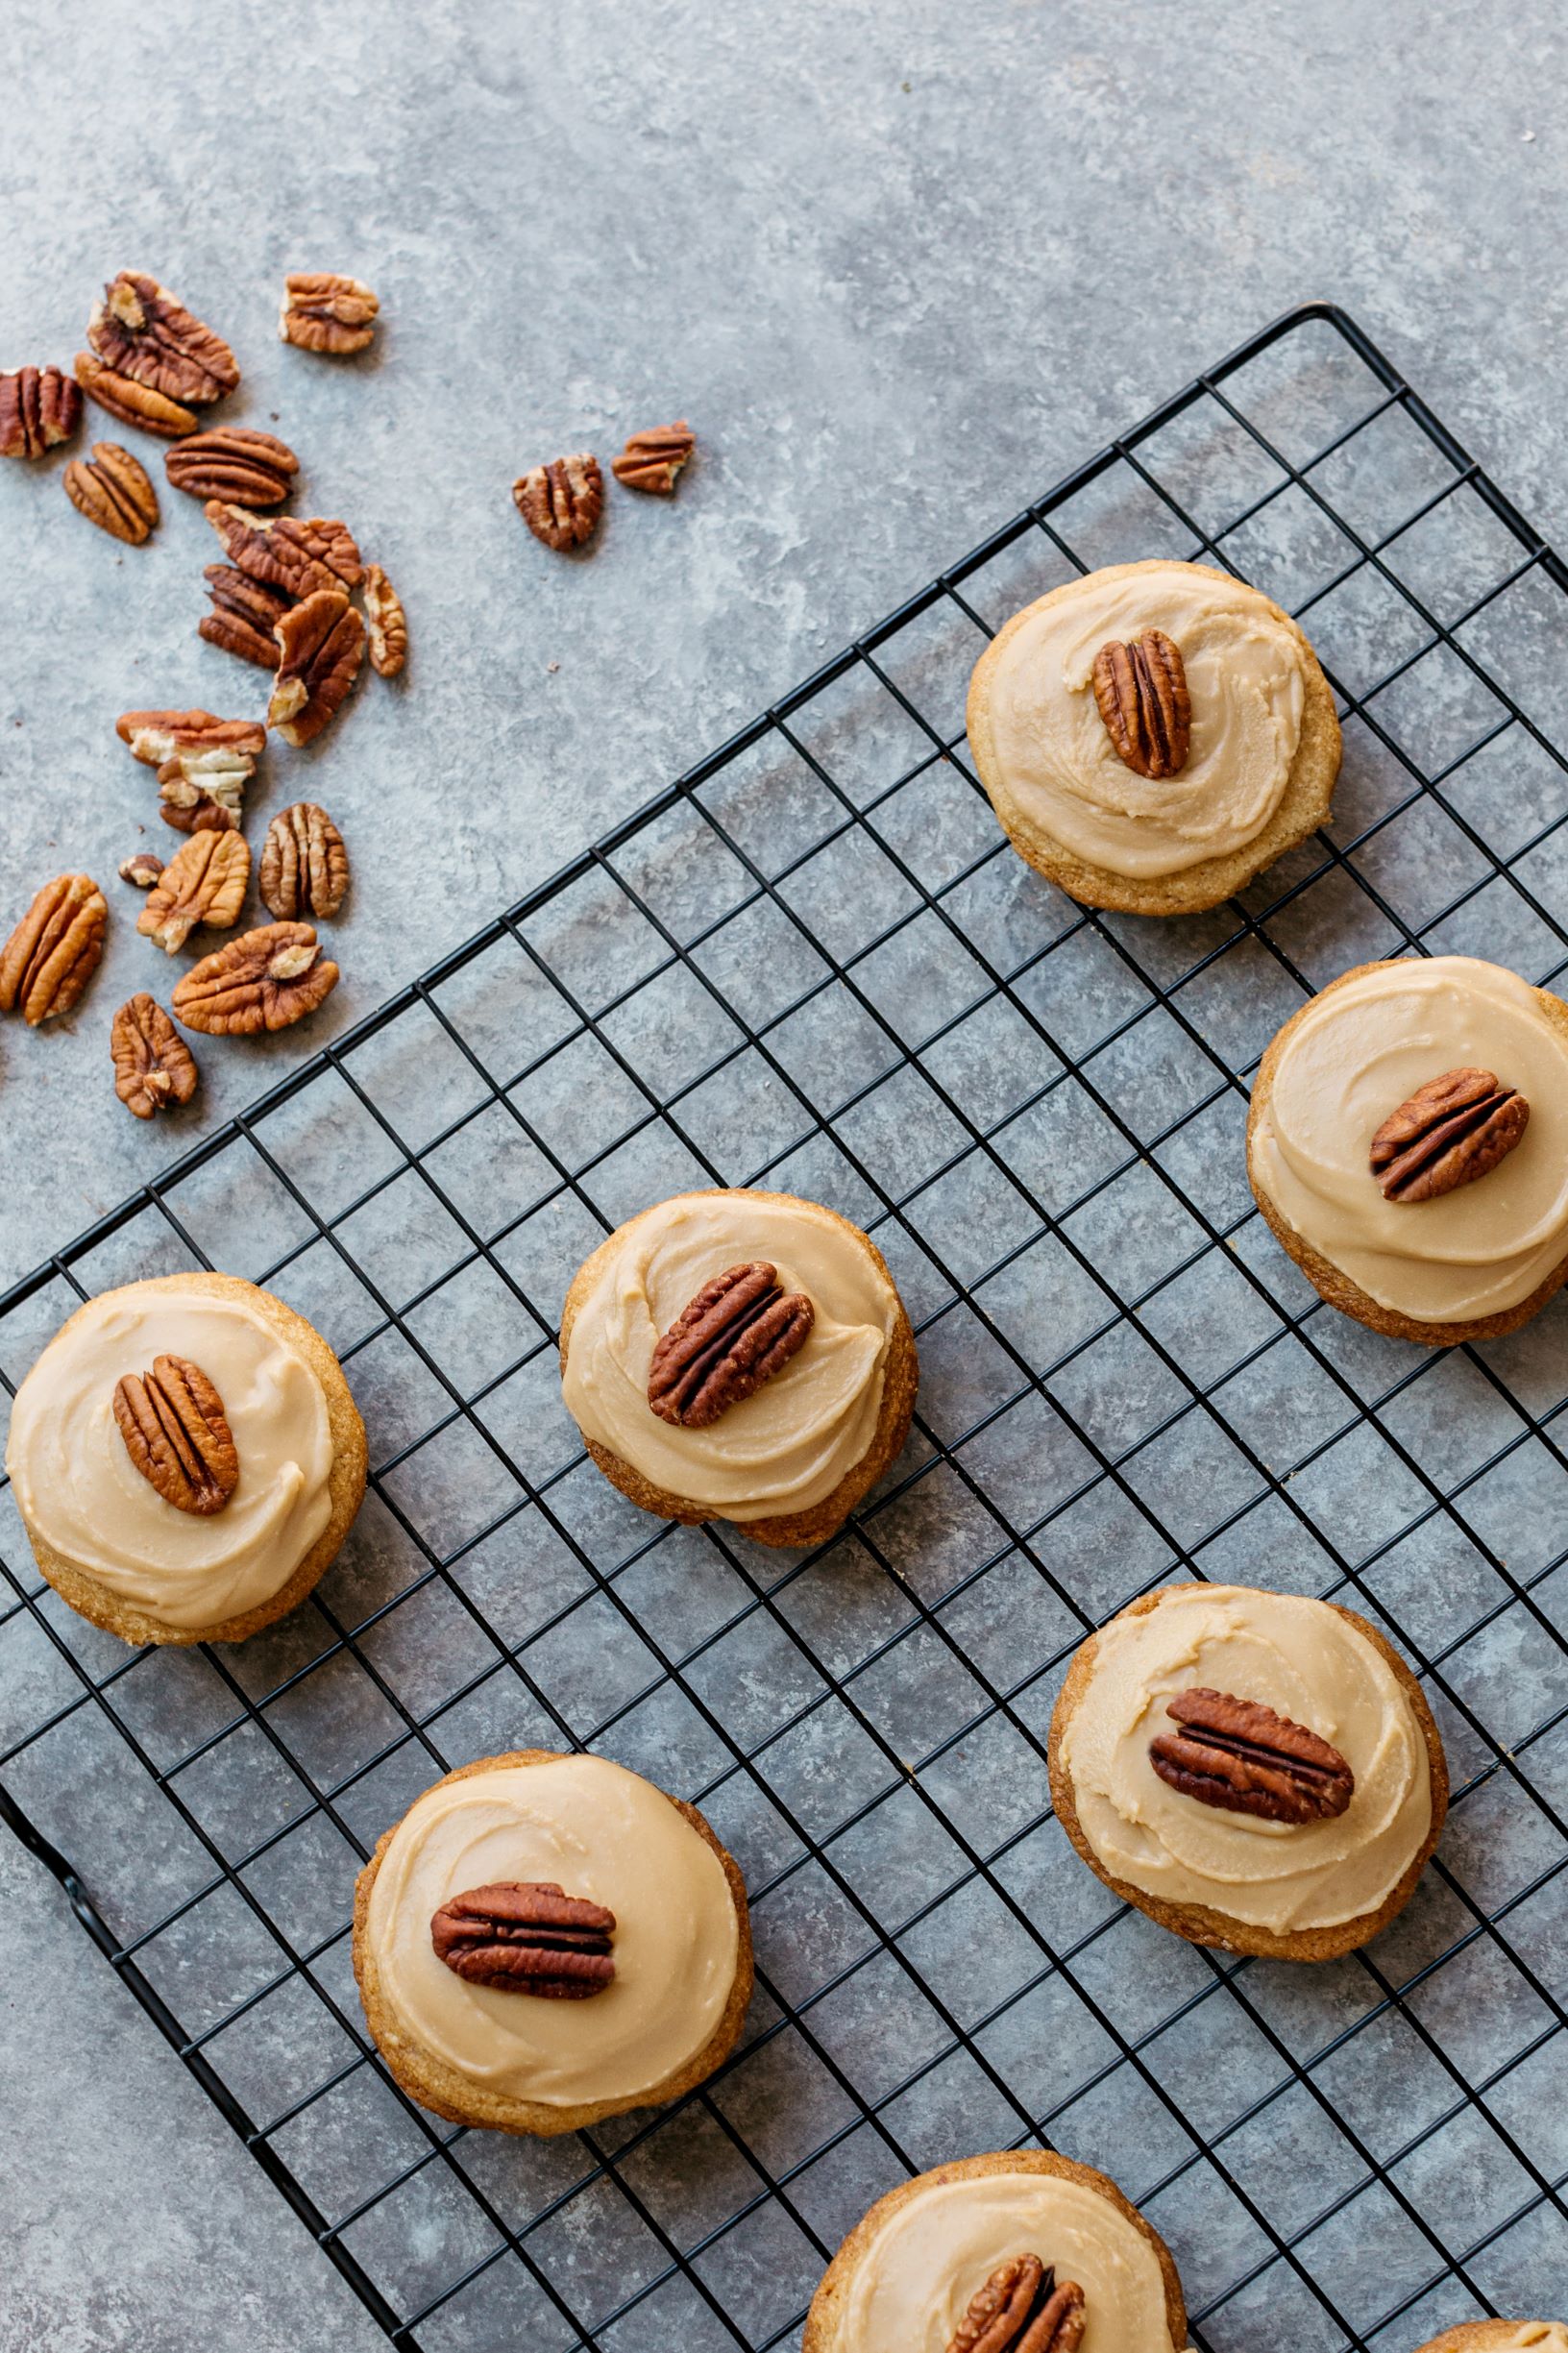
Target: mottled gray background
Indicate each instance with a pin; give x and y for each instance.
(899, 265)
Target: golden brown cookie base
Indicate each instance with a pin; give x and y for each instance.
(448, 2093)
(1198, 1922)
(95, 1601)
(1479, 2336)
(1304, 805)
(899, 1382)
(822, 2333)
(1329, 1280)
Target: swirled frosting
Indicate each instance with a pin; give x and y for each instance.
(1245, 676)
(602, 1833)
(790, 1444)
(80, 1491)
(1357, 1053)
(1306, 1661)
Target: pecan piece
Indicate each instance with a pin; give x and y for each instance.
(737, 1332)
(1021, 2310)
(231, 463)
(321, 644)
(1241, 1756)
(111, 489)
(265, 979)
(324, 312)
(652, 460)
(305, 867)
(153, 1067)
(142, 868)
(1453, 1130)
(53, 950)
(177, 1436)
(387, 622)
(562, 503)
(1142, 693)
(527, 1937)
(131, 403)
(244, 615)
(203, 883)
(204, 763)
(142, 331)
(39, 408)
(297, 555)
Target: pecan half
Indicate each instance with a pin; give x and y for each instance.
(111, 489)
(153, 1067)
(244, 615)
(231, 463)
(1240, 1755)
(386, 621)
(53, 950)
(298, 555)
(737, 1332)
(177, 1434)
(131, 403)
(265, 979)
(1453, 1130)
(203, 883)
(305, 867)
(142, 331)
(321, 646)
(39, 408)
(652, 460)
(142, 868)
(1143, 697)
(562, 503)
(1021, 2310)
(527, 1937)
(324, 312)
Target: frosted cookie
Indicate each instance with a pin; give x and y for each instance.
(1253, 1769)
(1408, 1143)
(989, 2248)
(740, 1356)
(186, 1458)
(1501, 2337)
(544, 1941)
(1154, 735)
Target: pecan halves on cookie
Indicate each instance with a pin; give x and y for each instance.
(244, 615)
(111, 488)
(53, 950)
(265, 979)
(298, 554)
(562, 503)
(1453, 1130)
(233, 463)
(153, 1067)
(142, 331)
(321, 644)
(203, 883)
(1142, 693)
(1241, 1756)
(652, 460)
(324, 312)
(39, 407)
(737, 1332)
(386, 621)
(1021, 2310)
(527, 1937)
(177, 1434)
(305, 867)
(131, 403)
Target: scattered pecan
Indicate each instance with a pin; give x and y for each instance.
(112, 490)
(231, 463)
(321, 644)
(527, 1937)
(297, 555)
(562, 503)
(323, 312)
(652, 460)
(156, 737)
(386, 621)
(1240, 1755)
(265, 979)
(244, 614)
(177, 1436)
(203, 883)
(53, 950)
(142, 331)
(1452, 1131)
(1143, 697)
(153, 1067)
(142, 868)
(39, 408)
(737, 1332)
(1021, 2310)
(204, 763)
(305, 867)
(131, 403)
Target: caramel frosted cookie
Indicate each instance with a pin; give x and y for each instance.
(544, 1941)
(1025, 2252)
(1154, 735)
(1409, 1146)
(1501, 2337)
(740, 1356)
(186, 1458)
(1253, 1769)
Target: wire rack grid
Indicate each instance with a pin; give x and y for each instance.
(813, 964)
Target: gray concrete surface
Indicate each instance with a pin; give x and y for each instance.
(899, 266)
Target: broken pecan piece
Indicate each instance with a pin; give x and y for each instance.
(387, 622)
(652, 460)
(142, 868)
(1142, 693)
(153, 1067)
(265, 979)
(321, 646)
(177, 1434)
(562, 503)
(1453, 1130)
(142, 331)
(231, 463)
(527, 1937)
(111, 488)
(324, 312)
(131, 403)
(298, 555)
(1021, 2310)
(39, 407)
(244, 615)
(204, 763)
(53, 950)
(1241, 1756)
(305, 867)
(203, 883)
(737, 1332)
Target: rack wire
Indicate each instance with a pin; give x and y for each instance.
(812, 963)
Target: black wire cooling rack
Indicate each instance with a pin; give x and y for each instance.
(814, 964)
